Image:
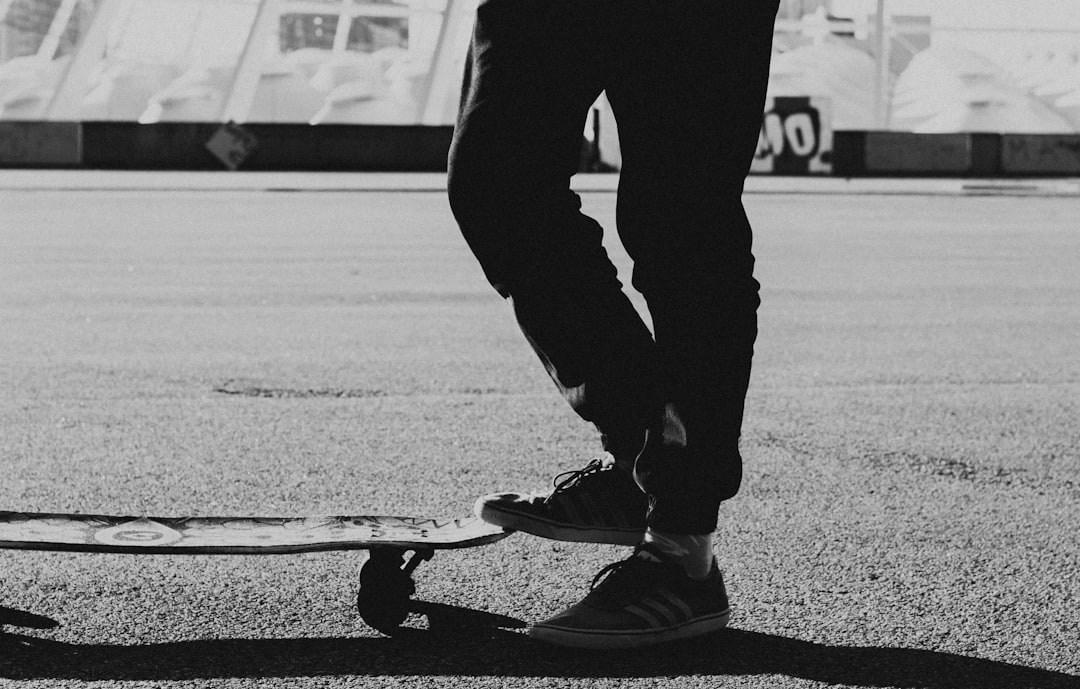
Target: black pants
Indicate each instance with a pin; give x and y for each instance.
(686, 80)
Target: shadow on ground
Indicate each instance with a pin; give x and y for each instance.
(462, 642)
(18, 618)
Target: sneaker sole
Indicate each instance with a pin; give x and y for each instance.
(557, 531)
(606, 639)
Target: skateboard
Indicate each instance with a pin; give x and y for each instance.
(396, 545)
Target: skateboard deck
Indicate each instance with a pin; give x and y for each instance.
(386, 583)
(236, 535)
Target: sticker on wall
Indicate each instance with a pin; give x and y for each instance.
(232, 145)
(796, 137)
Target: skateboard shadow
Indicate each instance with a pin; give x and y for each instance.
(468, 643)
(27, 620)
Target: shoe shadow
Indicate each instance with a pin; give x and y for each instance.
(469, 643)
(27, 620)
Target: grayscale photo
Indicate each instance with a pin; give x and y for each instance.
(540, 343)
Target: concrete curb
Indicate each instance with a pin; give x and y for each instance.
(35, 180)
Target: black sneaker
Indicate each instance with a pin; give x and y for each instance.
(597, 504)
(640, 601)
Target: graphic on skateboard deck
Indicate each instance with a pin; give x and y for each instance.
(386, 583)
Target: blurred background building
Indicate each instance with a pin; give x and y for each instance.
(904, 65)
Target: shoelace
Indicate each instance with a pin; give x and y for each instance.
(569, 479)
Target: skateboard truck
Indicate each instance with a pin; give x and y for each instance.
(386, 586)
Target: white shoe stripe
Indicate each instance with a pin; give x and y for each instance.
(677, 603)
(646, 615)
(661, 608)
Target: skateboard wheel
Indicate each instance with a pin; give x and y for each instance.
(385, 590)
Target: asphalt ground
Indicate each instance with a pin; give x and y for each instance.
(202, 344)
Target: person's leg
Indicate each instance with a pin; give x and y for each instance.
(687, 85)
(535, 69)
(689, 118)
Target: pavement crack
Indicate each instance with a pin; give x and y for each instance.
(242, 390)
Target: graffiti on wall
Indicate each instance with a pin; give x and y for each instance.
(796, 137)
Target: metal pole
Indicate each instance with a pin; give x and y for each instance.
(5, 5)
(344, 26)
(69, 94)
(881, 78)
(248, 72)
(444, 77)
(51, 43)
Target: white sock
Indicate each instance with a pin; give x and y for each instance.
(694, 553)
